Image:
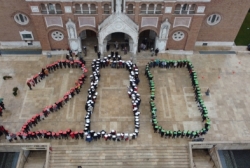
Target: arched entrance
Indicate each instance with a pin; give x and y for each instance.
(146, 40)
(121, 23)
(117, 41)
(88, 39)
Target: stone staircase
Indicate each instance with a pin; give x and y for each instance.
(201, 159)
(36, 159)
(122, 156)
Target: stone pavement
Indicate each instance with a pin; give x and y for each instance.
(227, 77)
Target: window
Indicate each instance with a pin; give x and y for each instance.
(151, 9)
(130, 9)
(158, 9)
(143, 8)
(85, 9)
(213, 19)
(57, 35)
(192, 9)
(51, 9)
(78, 8)
(178, 36)
(177, 9)
(184, 9)
(43, 9)
(92, 9)
(106, 9)
(26, 35)
(21, 19)
(58, 9)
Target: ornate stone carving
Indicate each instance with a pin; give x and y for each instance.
(118, 23)
(118, 6)
(165, 26)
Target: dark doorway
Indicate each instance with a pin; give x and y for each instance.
(146, 40)
(89, 40)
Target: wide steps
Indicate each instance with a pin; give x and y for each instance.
(122, 156)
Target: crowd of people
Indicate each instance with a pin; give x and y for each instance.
(52, 68)
(198, 98)
(25, 132)
(113, 61)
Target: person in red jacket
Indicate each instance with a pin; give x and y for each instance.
(29, 85)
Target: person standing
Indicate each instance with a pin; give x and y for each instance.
(99, 54)
(156, 51)
(152, 52)
(1, 103)
(125, 50)
(29, 84)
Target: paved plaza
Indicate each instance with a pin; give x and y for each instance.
(227, 77)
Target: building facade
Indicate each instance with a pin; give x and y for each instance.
(167, 24)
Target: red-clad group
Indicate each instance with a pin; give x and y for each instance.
(25, 132)
(53, 67)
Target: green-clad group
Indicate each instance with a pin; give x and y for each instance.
(198, 98)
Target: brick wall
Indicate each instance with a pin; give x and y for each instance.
(9, 29)
(233, 13)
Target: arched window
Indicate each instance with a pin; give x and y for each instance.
(192, 9)
(85, 9)
(51, 8)
(43, 9)
(158, 9)
(143, 8)
(58, 9)
(151, 9)
(92, 9)
(78, 8)
(130, 9)
(177, 9)
(184, 9)
(106, 9)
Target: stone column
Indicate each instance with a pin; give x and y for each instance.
(181, 8)
(81, 8)
(105, 45)
(80, 44)
(155, 8)
(189, 6)
(131, 48)
(47, 8)
(112, 6)
(124, 6)
(54, 5)
(89, 9)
